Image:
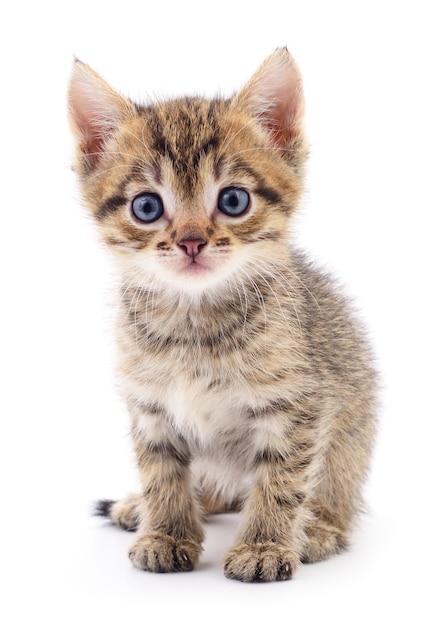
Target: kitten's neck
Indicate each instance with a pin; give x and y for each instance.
(237, 302)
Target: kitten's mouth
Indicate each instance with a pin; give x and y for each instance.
(194, 267)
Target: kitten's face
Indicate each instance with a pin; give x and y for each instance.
(190, 194)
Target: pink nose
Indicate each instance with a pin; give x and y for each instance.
(192, 247)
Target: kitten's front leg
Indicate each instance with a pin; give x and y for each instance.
(170, 533)
(272, 535)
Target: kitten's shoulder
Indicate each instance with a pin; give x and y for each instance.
(323, 294)
(313, 274)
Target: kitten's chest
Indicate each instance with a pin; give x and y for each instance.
(203, 413)
(208, 377)
(206, 402)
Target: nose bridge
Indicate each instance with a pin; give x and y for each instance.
(192, 227)
(191, 234)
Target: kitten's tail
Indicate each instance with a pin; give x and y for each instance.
(102, 508)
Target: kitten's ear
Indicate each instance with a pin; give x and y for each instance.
(95, 111)
(274, 96)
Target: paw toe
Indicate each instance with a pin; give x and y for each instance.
(162, 553)
(260, 563)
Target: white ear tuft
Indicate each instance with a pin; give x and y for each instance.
(274, 96)
(95, 110)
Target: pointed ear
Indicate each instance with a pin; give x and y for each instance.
(274, 96)
(95, 111)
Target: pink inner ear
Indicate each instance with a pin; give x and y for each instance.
(281, 122)
(93, 139)
(285, 112)
(275, 97)
(95, 110)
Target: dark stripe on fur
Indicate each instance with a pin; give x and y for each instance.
(271, 196)
(112, 241)
(304, 462)
(270, 236)
(277, 405)
(168, 450)
(204, 149)
(289, 500)
(152, 409)
(109, 206)
(213, 343)
(269, 455)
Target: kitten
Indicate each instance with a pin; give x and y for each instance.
(248, 382)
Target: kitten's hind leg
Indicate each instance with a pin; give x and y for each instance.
(123, 513)
(214, 504)
(323, 540)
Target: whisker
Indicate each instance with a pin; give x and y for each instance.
(260, 297)
(300, 281)
(290, 296)
(242, 301)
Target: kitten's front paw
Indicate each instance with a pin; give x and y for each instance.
(156, 552)
(261, 562)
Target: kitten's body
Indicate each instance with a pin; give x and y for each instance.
(248, 383)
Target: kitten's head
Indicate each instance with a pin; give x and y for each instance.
(191, 194)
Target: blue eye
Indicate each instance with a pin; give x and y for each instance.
(147, 207)
(233, 201)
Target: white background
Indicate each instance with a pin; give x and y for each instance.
(373, 74)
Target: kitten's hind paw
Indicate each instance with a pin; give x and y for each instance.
(263, 562)
(124, 513)
(155, 552)
(324, 540)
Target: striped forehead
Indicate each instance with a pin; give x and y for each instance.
(184, 132)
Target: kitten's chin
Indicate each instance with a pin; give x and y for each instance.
(195, 269)
(193, 276)
(194, 279)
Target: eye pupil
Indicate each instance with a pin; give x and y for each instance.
(147, 207)
(233, 201)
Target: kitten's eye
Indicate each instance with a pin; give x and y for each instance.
(147, 207)
(233, 201)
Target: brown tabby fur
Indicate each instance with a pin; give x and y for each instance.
(248, 381)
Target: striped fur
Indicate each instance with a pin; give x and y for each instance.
(248, 381)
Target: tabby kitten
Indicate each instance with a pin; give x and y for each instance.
(248, 382)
